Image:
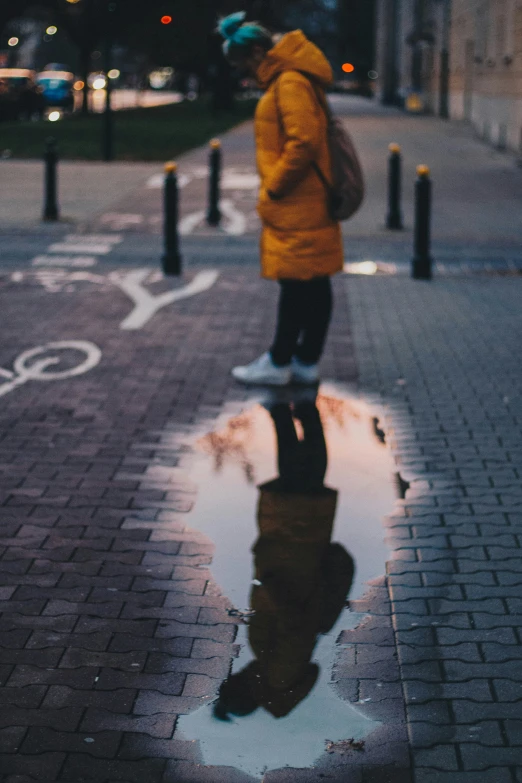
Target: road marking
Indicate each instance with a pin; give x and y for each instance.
(113, 239)
(158, 181)
(236, 224)
(37, 371)
(190, 222)
(70, 261)
(81, 247)
(146, 304)
(57, 280)
(233, 181)
(91, 244)
(121, 220)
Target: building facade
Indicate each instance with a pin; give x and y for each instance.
(460, 58)
(486, 69)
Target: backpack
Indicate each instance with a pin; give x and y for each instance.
(346, 192)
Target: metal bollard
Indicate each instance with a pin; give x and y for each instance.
(422, 260)
(394, 218)
(50, 211)
(171, 260)
(214, 213)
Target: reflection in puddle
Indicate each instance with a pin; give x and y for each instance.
(291, 492)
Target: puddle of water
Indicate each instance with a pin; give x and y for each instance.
(292, 491)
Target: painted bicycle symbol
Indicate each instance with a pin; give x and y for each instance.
(28, 367)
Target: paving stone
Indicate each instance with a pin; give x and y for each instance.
(493, 775)
(213, 667)
(478, 757)
(100, 744)
(65, 719)
(21, 768)
(184, 772)
(75, 658)
(30, 696)
(118, 700)
(78, 765)
(467, 711)
(11, 738)
(22, 675)
(168, 683)
(141, 746)
(428, 735)
(153, 703)
(161, 725)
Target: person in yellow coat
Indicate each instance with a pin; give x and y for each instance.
(301, 245)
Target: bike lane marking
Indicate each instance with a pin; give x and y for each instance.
(235, 225)
(37, 371)
(133, 284)
(146, 305)
(80, 250)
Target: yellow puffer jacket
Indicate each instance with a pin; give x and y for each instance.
(299, 238)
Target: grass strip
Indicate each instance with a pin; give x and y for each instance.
(156, 133)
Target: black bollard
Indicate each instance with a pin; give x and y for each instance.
(214, 213)
(50, 211)
(394, 218)
(422, 260)
(171, 260)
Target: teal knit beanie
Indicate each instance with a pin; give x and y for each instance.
(241, 36)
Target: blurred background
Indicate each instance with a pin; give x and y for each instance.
(54, 54)
(452, 58)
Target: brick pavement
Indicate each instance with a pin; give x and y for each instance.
(110, 624)
(444, 359)
(111, 627)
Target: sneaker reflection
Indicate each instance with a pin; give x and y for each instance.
(302, 579)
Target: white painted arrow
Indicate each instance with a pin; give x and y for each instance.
(235, 224)
(146, 304)
(237, 220)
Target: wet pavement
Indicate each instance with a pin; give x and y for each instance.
(160, 553)
(197, 587)
(142, 500)
(304, 542)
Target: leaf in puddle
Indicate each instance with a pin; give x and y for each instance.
(343, 746)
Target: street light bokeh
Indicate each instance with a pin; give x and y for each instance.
(13, 41)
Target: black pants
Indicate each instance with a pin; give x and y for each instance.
(305, 310)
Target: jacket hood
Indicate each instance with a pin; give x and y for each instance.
(294, 52)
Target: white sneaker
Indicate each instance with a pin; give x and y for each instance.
(264, 372)
(304, 373)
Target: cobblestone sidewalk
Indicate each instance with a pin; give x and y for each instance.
(444, 358)
(111, 626)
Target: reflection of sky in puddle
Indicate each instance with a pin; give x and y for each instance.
(278, 709)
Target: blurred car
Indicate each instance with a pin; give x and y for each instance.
(57, 89)
(20, 96)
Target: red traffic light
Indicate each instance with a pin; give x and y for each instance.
(166, 19)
